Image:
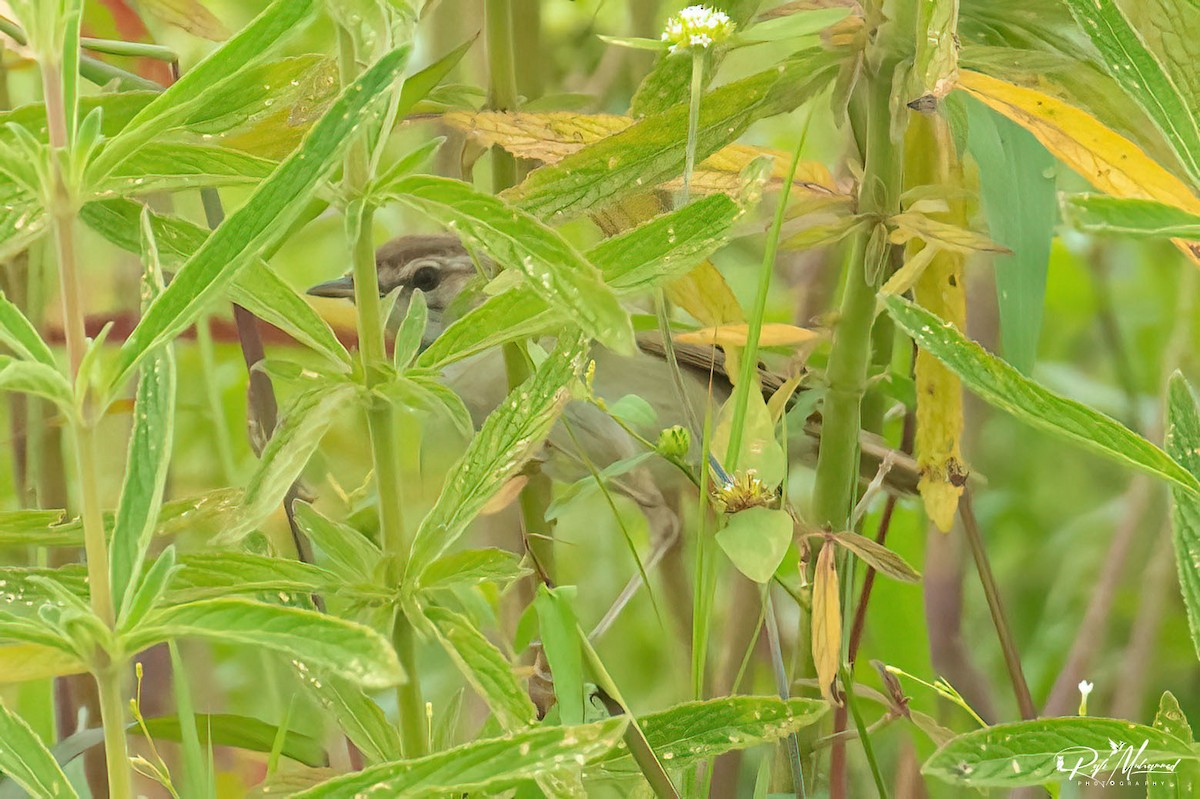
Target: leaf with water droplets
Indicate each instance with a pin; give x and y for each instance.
(1183, 443)
(1050, 750)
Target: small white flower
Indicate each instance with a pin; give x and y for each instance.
(697, 26)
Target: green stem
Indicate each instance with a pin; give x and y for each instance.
(381, 421)
(502, 83)
(212, 394)
(130, 49)
(116, 752)
(864, 733)
(846, 375)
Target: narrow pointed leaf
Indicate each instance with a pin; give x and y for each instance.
(19, 335)
(1003, 386)
(25, 759)
(1097, 213)
(1183, 443)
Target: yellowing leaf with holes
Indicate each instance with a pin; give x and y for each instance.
(772, 335)
(550, 137)
(931, 159)
(827, 622)
(1109, 161)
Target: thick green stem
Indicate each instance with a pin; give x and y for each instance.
(381, 421)
(837, 462)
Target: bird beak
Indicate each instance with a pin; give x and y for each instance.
(342, 288)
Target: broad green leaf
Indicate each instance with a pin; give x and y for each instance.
(877, 556)
(791, 27)
(1049, 750)
(563, 648)
(483, 666)
(278, 201)
(25, 662)
(20, 336)
(695, 731)
(35, 630)
(1013, 164)
(1171, 31)
(200, 84)
(352, 555)
(553, 269)
(486, 767)
(239, 732)
(357, 715)
(25, 759)
(667, 246)
(756, 539)
(38, 379)
(1186, 779)
(176, 166)
(509, 437)
(473, 567)
(147, 462)
(220, 574)
(297, 435)
(1001, 385)
(256, 288)
(1183, 443)
(651, 151)
(1097, 213)
(319, 641)
(1142, 75)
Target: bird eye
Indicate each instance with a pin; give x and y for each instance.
(426, 278)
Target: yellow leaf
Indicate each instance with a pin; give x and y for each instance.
(778, 403)
(550, 137)
(24, 662)
(772, 335)
(1109, 161)
(505, 496)
(704, 294)
(931, 159)
(827, 623)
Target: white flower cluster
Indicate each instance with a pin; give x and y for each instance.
(697, 26)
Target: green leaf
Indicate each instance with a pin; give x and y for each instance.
(266, 215)
(756, 539)
(695, 731)
(667, 246)
(418, 85)
(554, 270)
(22, 221)
(411, 331)
(175, 166)
(25, 662)
(1012, 163)
(509, 437)
(352, 555)
(239, 732)
(202, 84)
(1142, 75)
(473, 567)
(651, 151)
(19, 335)
(514, 315)
(319, 641)
(792, 26)
(485, 767)
(150, 589)
(1183, 443)
(145, 466)
(1028, 752)
(483, 666)
(297, 435)
(358, 716)
(1186, 779)
(1098, 213)
(1001, 385)
(30, 377)
(563, 648)
(256, 288)
(878, 557)
(25, 759)
(220, 574)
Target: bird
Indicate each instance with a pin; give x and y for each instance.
(449, 277)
